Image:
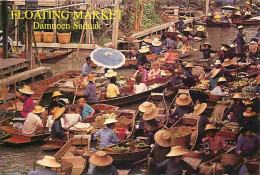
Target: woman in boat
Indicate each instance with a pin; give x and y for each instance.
(27, 100)
(155, 72)
(72, 118)
(47, 162)
(172, 28)
(156, 46)
(200, 32)
(170, 57)
(175, 165)
(86, 69)
(235, 111)
(139, 86)
(215, 74)
(240, 41)
(33, 122)
(187, 32)
(141, 58)
(253, 51)
(109, 74)
(186, 48)
(251, 120)
(176, 79)
(164, 141)
(107, 135)
(91, 93)
(58, 131)
(87, 111)
(168, 42)
(216, 144)
(179, 42)
(232, 51)
(226, 69)
(189, 79)
(56, 101)
(103, 167)
(218, 90)
(207, 51)
(223, 54)
(112, 89)
(141, 70)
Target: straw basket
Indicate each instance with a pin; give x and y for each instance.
(64, 38)
(230, 159)
(48, 37)
(38, 36)
(183, 137)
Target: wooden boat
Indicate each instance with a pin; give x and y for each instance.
(52, 144)
(214, 23)
(246, 22)
(187, 54)
(104, 107)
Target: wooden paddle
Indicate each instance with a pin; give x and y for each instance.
(74, 98)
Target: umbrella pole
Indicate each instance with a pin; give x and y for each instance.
(74, 98)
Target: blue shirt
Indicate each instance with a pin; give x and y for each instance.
(213, 82)
(45, 171)
(91, 92)
(108, 137)
(156, 49)
(86, 69)
(86, 111)
(188, 74)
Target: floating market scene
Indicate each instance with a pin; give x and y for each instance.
(129, 87)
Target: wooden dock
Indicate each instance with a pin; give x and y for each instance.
(11, 65)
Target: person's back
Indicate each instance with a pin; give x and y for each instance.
(139, 88)
(91, 92)
(28, 106)
(72, 119)
(31, 124)
(108, 137)
(56, 130)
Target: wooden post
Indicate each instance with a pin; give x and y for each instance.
(207, 7)
(55, 30)
(116, 25)
(30, 34)
(16, 24)
(26, 35)
(5, 28)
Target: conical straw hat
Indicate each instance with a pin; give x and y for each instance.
(152, 114)
(38, 110)
(183, 100)
(110, 121)
(163, 138)
(156, 42)
(211, 127)
(201, 28)
(177, 151)
(26, 90)
(100, 158)
(144, 49)
(189, 65)
(238, 96)
(110, 73)
(58, 112)
(215, 73)
(222, 79)
(56, 94)
(227, 62)
(146, 107)
(249, 113)
(49, 161)
(91, 78)
(187, 29)
(200, 108)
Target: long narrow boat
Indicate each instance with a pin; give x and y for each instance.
(214, 23)
(247, 22)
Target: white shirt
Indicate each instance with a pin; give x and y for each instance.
(72, 119)
(140, 88)
(50, 122)
(218, 91)
(31, 123)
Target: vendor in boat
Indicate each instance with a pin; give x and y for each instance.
(186, 48)
(91, 93)
(56, 101)
(251, 120)
(86, 69)
(87, 111)
(218, 90)
(58, 130)
(257, 35)
(164, 142)
(112, 89)
(232, 51)
(155, 72)
(189, 79)
(253, 51)
(179, 42)
(139, 86)
(156, 46)
(257, 86)
(175, 165)
(107, 135)
(110, 73)
(227, 68)
(141, 58)
(207, 51)
(215, 74)
(235, 111)
(48, 162)
(172, 28)
(187, 32)
(183, 106)
(176, 79)
(223, 54)
(141, 70)
(72, 118)
(181, 24)
(200, 32)
(27, 100)
(170, 56)
(33, 122)
(216, 144)
(103, 167)
(240, 41)
(168, 42)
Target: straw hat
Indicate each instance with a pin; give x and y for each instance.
(26, 90)
(218, 62)
(38, 110)
(163, 138)
(249, 112)
(100, 158)
(215, 73)
(227, 62)
(247, 3)
(212, 2)
(211, 127)
(223, 48)
(238, 96)
(156, 42)
(110, 73)
(201, 28)
(253, 42)
(148, 40)
(110, 121)
(217, 16)
(49, 161)
(240, 27)
(58, 112)
(187, 29)
(199, 108)
(91, 78)
(151, 115)
(176, 71)
(207, 44)
(56, 94)
(177, 151)
(183, 100)
(232, 46)
(238, 13)
(146, 107)
(179, 36)
(189, 65)
(144, 49)
(222, 79)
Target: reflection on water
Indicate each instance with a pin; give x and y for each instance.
(20, 160)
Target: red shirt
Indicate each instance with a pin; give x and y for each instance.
(28, 107)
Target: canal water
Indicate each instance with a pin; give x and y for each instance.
(20, 160)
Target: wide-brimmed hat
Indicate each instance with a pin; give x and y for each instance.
(207, 44)
(189, 65)
(156, 42)
(148, 40)
(253, 42)
(49, 161)
(201, 28)
(154, 113)
(238, 13)
(232, 45)
(91, 78)
(217, 16)
(183, 100)
(176, 71)
(249, 112)
(222, 79)
(247, 2)
(240, 27)
(144, 49)
(179, 36)
(146, 107)
(187, 29)
(58, 112)
(56, 94)
(26, 90)
(212, 2)
(223, 48)
(199, 108)
(177, 151)
(218, 62)
(110, 73)
(227, 62)
(215, 73)
(100, 158)
(163, 138)
(211, 127)
(110, 121)
(238, 96)
(38, 110)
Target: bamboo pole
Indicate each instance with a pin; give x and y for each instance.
(115, 25)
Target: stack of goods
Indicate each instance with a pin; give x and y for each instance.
(131, 146)
(204, 84)
(82, 127)
(123, 122)
(232, 126)
(181, 135)
(99, 121)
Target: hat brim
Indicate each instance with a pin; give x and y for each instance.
(215, 73)
(100, 161)
(38, 112)
(50, 164)
(109, 75)
(144, 50)
(110, 122)
(200, 29)
(202, 108)
(60, 112)
(162, 142)
(157, 44)
(151, 115)
(179, 102)
(26, 92)
(207, 44)
(58, 95)
(146, 110)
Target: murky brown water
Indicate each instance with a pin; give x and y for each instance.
(20, 160)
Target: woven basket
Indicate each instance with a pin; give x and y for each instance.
(229, 159)
(38, 36)
(64, 38)
(184, 138)
(48, 37)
